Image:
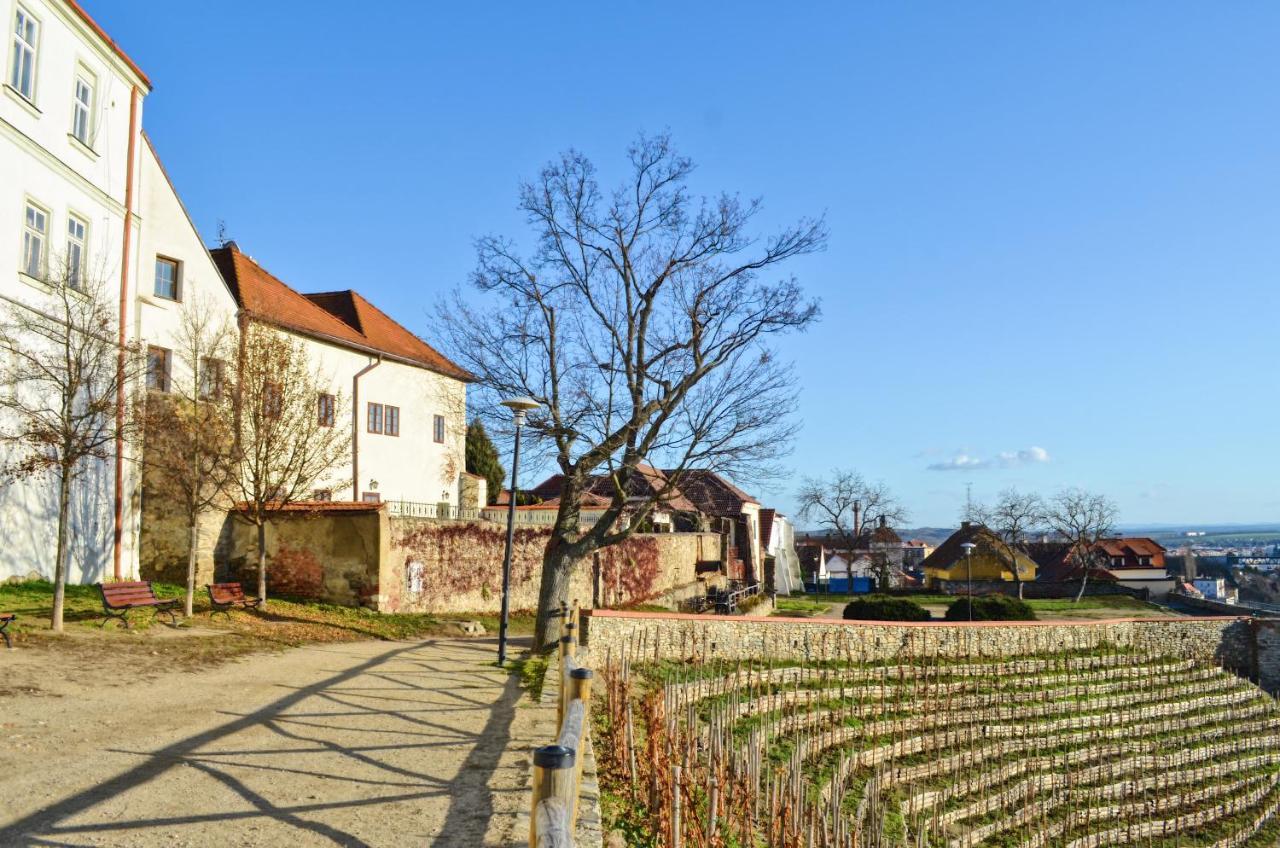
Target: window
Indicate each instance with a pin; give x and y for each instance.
(272, 400)
(438, 429)
(322, 495)
(35, 235)
(167, 279)
(371, 497)
(375, 418)
(392, 419)
(212, 378)
(158, 369)
(22, 75)
(325, 410)
(76, 229)
(82, 108)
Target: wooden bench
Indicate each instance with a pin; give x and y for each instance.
(118, 599)
(6, 618)
(224, 596)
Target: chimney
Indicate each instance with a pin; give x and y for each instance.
(965, 525)
(884, 522)
(857, 518)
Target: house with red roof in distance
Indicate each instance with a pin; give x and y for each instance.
(731, 512)
(405, 401)
(673, 513)
(1135, 562)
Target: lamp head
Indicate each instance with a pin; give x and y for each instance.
(968, 547)
(520, 405)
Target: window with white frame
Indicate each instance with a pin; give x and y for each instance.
(35, 240)
(82, 108)
(76, 232)
(22, 73)
(168, 279)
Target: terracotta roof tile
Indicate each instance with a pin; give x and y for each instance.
(711, 493)
(343, 318)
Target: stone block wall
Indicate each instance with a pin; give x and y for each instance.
(1266, 633)
(673, 636)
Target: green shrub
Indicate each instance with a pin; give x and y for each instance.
(885, 608)
(991, 608)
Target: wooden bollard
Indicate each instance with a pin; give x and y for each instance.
(568, 643)
(580, 690)
(554, 782)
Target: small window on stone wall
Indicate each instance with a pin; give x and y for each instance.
(414, 572)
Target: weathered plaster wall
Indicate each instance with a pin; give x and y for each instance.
(330, 557)
(165, 541)
(445, 566)
(687, 636)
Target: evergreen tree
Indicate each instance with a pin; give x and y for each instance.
(482, 459)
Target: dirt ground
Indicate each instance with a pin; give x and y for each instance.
(355, 744)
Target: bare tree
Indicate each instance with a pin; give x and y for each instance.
(288, 441)
(60, 386)
(1082, 519)
(1011, 519)
(189, 460)
(844, 504)
(640, 322)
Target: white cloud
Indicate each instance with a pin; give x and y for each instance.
(963, 461)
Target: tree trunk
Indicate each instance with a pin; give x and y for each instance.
(1084, 579)
(191, 570)
(558, 563)
(262, 564)
(60, 565)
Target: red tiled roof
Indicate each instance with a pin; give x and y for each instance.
(1137, 545)
(343, 318)
(711, 493)
(646, 482)
(101, 33)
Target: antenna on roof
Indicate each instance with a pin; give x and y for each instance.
(968, 501)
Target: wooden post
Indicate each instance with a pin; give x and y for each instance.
(554, 786)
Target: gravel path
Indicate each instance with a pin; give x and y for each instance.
(355, 744)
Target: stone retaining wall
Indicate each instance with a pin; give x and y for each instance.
(1228, 640)
(1266, 640)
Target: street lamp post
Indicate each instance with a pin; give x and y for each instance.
(968, 568)
(518, 406)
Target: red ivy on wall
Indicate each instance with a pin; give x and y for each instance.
(464, 558)
(629, 571)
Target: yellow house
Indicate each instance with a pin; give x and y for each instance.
(991, 559)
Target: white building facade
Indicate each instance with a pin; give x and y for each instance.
(404, 401)
(70, 146)
(75, 167)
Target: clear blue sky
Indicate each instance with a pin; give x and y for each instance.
(1053, 225)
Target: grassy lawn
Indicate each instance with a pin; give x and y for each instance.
(798, 606)
(284, 623)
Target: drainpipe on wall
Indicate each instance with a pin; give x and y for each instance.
(120, 354)
(355, 427)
